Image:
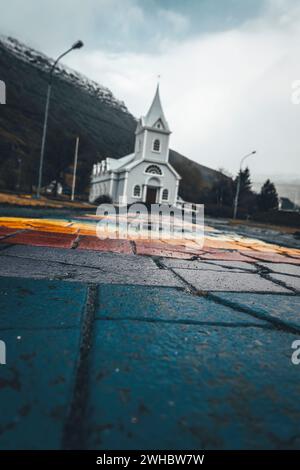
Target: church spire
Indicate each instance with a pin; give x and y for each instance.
(156, 113)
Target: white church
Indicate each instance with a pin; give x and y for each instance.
(145, 175)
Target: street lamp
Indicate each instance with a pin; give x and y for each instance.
(19, 159)
(236, 199)
(76, 45)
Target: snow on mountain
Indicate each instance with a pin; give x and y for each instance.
(43, 62)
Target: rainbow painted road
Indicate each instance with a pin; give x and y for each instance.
(80, 233)
(137, 344)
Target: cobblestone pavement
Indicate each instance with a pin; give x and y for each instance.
(134, 344)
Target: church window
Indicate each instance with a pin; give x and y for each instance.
(154, 169)
(137, 191)
(156, 145)
(165, 195)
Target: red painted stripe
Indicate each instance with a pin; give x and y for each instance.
(223, 255)
(274, 257)
(5, 231)
(87, 242)
(164, 250)
(36, 238)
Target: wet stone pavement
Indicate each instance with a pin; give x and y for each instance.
(137, 346)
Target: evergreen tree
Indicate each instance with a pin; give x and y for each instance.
(245, 182)
(268, 197)
(222, 190)
(246, 196)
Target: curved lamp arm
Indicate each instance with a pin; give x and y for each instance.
(244, 158)
(76, 45)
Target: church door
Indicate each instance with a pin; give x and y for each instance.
(151, 195)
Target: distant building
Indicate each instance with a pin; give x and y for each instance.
(145, 175)
(285, 204)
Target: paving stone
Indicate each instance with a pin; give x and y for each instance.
(27, 303)
(282, 268)
(37, 238)
(235, 265)
(226, 266)
(94, 243)
(42, 347)
(3, 246)
(285, 308)
(88, 258)
(289, 281)
(14, 266)
(163, 250)
(272, 257)
(170, 386)
(226, 255)
(232, 282)
(36, 387)
(153, 277)
(33, 268)
(166, 305)
(187, 264)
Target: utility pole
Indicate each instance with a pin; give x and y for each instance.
(19, 173)
(75, 168)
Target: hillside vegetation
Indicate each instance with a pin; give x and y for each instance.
(79, 107)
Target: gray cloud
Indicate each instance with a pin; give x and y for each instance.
(121, 25)
(227, 67)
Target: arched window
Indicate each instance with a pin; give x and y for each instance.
(156, 145)
(154, 169)
(137, 191)
(165, 195)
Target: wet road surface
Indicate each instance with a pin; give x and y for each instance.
(138, 344)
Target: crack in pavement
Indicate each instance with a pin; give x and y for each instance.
(4, 237)
(133, 246)
(277, 323)
(75, 242)
(265, 270)
(188, 322)
(223, 268)
(74, 436)
(53, 262)
(39, 328)
(266, 273)
(252, 256)
(247, 270)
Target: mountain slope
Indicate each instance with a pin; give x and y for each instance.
(78, 107)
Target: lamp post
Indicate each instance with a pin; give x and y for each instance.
(238, 187)
(19, 174)
(76, 45)
(75, 168)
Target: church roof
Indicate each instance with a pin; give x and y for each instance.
(156, 113)
(118, 164)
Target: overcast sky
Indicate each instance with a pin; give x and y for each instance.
(227, 68)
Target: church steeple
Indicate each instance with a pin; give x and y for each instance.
(156, 113)
(152, 134)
